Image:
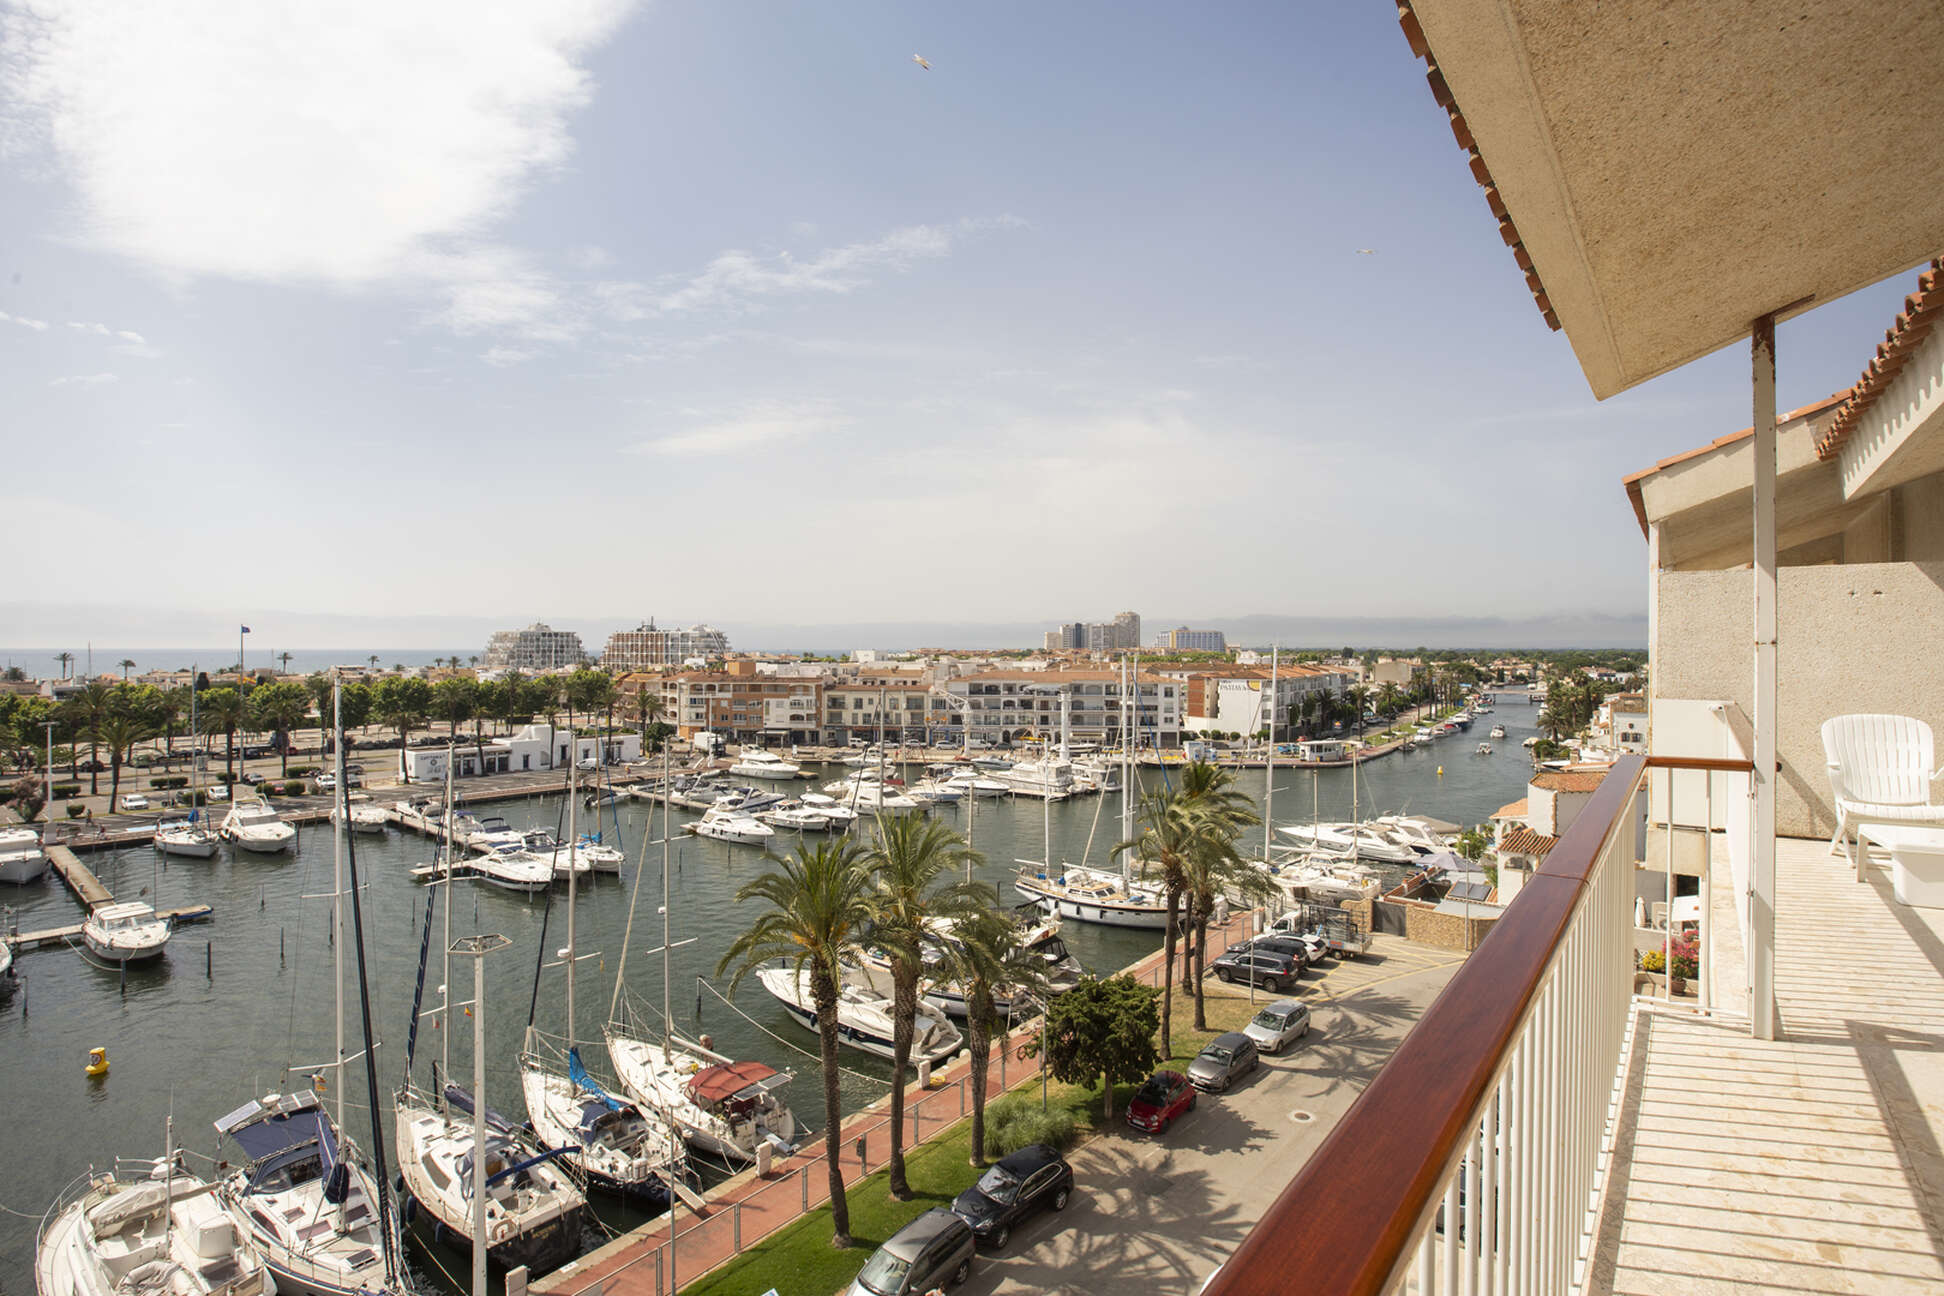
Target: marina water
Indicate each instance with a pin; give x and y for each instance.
(237, 1000)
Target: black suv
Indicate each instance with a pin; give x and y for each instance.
(1032, 1179)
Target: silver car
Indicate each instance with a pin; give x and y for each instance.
(1226, 1059)
(1279, 1025)
(932, 1250)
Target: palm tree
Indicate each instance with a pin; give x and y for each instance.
(281, 707)
(599, 693)
(373, 660)
(648, 709)
(120, 730)
(985, 956)
(87, 709)
(169, 706)
(472, 661)
(222, 711)
(64, 658)
(817, 906)
(284, 659)
(127, 665)
(1169, 830)
(1211, 791)
(910, 857)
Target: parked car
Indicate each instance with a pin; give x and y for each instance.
(1266, 967)
(1018, 1186)
(925, 1254)
(1279, 1025)
(326, 782)
(1226, 1059)
(1161, 1101)
(134, 801)
(252, 778)
(587, 763)
(1305, 949)
(216, 793)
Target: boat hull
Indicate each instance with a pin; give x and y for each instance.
(1100, 912)
(195, 848)
(22, 869)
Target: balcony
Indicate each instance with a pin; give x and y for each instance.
(1543, 1130)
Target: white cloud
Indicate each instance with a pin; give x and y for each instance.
(39, 326)
(735, 279)
(759, 425)
(280, 141)
(500, 357)
(84, 380)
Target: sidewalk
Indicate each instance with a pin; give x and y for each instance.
(750, 1207)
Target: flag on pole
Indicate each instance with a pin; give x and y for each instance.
(244, 629)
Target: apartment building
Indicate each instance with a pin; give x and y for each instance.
(1182, 639)
(1001, 705)
(646, 647)
(743, 705)
(539, 647)
(1237, 699)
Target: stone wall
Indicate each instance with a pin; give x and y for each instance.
(1424, 924)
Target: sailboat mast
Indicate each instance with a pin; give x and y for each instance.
(1269, 778)
(573, 870)
(337, 882)
(445, 945)
(668, 1018)
(1127, 760)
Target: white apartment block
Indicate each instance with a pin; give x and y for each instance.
(1182, 639)
(645, 647)
(999, 705)
(539, 647)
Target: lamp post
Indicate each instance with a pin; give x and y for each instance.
(477, 948)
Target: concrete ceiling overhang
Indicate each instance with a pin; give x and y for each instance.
(1671, 171)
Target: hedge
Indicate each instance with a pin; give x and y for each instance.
(76, 811)
(62, 791)
(174, 781)
(1016, 1121)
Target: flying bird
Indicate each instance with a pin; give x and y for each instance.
(919, 59)
(1366, 251)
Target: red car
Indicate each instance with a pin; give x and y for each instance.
(1159, 1102)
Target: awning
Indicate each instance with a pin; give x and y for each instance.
(713, 1084)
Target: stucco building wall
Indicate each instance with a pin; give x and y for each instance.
(1859, 637)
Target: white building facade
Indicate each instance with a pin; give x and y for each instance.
(539, 647)
(646, 647)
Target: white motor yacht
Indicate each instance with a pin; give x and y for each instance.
(1092, 895)
(863, 1016)
(254, 826)
(1097, 773)
(719, 824)
(722, 1106)
(1047, 777)
(21, 858)
(128, 932)
(191, 838)
(533, 1210)
(316, 1239)
(491, 833)
(840, 816)
(754, 762)
(584, 857)
(793, 816)
(934, 792)
(1483, 749)
(973, 784)
(1498, 731)
(364, 817)
(146, 1230)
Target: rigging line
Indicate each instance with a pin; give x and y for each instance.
(731, 1005)
(627, 934)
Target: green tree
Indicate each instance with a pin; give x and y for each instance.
(1358, 698)
(816, 906)
(1169, 831)
(121, 729)
(1102, 1031)
(170, 706)
(915, 862)
(987, 958)
(126, 665)
(87, 709)
(401, 703)
(281, 707)
(1214, 867)
(223, 711)
(28, 795)
(597, 693)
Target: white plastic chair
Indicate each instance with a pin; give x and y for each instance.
(1879, 772)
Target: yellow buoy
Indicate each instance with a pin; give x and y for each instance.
(1440, 771)
(97, 1062)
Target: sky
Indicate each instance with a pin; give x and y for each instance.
(377, 317)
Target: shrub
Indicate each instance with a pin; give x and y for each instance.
(301, 771)
(76, 811)
(1016, 1121)
(164, 784)
(62, 791)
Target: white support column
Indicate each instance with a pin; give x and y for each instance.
(1761, 881)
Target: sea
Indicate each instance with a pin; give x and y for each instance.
(44, 663)
(241, 1006)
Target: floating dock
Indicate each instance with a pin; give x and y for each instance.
(91, 891)
(79, 877)
(176, 917)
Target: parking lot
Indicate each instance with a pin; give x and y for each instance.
(1158, 1213)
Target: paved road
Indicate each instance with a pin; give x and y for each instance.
(1159, 1213)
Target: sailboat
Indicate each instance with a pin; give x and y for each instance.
(146, 1227)
(720, 1105)
(302, 1192)
(192, 837)
(533, 1209)
(1110, 899)
(606, 1139)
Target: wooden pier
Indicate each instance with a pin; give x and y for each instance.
(179, 916)
(93, 893)
(80, 878)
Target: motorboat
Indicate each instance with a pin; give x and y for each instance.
(513, 870)
(21, 858)
(794, 816)
(1498, 731)
(534, 1211)
(1097, 773)
(933, 792)
(878, 798)
(1049, 776)
(754, 762)
(364, 817)
(720, 1105)
(1483, 749)
(1349, 839)
(1040, 938)
(146, 1229)
(992, 762)
(191, 838)
(863, 1016)
(839, 815)
(747, 800)
(129, 932)
(422, 813)
(1092, 895)
(254, 826)
(719, 824)
(1321, 879)
(587, 855)
(607, 1140)
(491, 833)
(303, 1198)
(970, 783)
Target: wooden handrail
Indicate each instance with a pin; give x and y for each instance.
(1715, 765)
(1345, 1225)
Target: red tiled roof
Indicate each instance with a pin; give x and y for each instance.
(1524, 841)
(1513, 810)
(1922, 309)
(1414, 34)
(1632, 480)
(1579, 780)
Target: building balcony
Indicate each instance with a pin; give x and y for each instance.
(1545, 1129)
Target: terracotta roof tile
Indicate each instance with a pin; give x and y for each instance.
(1481, 172)
(1576, 780)
(1524, 841)
(1513, 809)
(1921, 312)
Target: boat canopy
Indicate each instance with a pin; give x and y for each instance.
(281, 1132)
(714, 1084)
